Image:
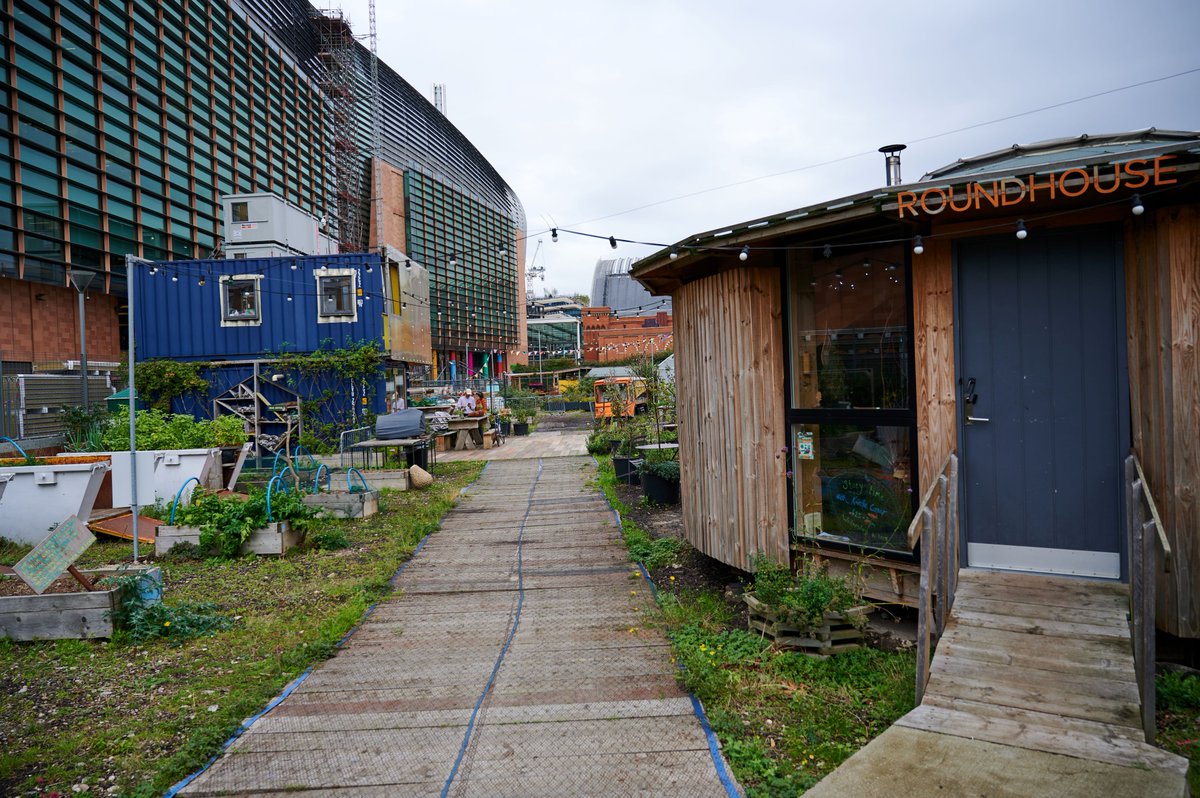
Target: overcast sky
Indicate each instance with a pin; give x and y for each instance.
(599, 114)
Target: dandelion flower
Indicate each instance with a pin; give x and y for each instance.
(166, 623)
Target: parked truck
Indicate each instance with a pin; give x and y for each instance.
(620, 397)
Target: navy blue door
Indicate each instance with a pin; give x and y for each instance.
(1041, 353)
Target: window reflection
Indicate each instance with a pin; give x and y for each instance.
(854, 484)
(849, 332)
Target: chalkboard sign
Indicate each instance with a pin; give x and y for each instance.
(50, 558)
(860, 504)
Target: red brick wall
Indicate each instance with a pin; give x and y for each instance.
(47, 329)
(607, 338)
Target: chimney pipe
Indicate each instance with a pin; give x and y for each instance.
(892, 160)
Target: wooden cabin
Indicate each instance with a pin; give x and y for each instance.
(1034, 310)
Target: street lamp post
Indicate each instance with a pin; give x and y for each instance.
(81, 280)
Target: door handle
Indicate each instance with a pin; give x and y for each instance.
(969, 399)
(976, 419)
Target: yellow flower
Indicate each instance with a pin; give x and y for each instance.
(672, 578)
(166, 623)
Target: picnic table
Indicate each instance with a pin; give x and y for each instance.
(468, 432)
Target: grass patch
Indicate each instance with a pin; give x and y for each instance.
(139, 716)
(649, 551)
(1178, 718)
(784, 720)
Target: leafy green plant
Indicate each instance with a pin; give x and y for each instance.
(227, 523)
(144, 620)
(82, 426)
(158, 430)
(803, 597)
(160, 381)
(663, 469)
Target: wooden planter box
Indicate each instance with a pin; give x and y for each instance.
(271, 539)
(343, 504)
(835, 635)
(55, 616)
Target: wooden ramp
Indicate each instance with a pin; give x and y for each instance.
(1043, 663)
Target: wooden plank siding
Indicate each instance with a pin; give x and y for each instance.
(1162, 279)
(933, 337)
(730, 383)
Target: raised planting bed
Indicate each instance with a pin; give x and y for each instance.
(839, 631)
(274, 538)
(344, 504)
(37, 498)
(380, 478)
(66, 609)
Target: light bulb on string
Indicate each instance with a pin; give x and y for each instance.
(918, 247)
(554, 234)
(1022, 233)
(1138, 208)
(674, 253)
(612, 242)
(744, 254)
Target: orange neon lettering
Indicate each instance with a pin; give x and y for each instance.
(1062, 182)
(1132, 170)
(966, 206)
(941, 206)
(993, 198)
(1116, 181)
(1007, 183)
(1033, 187)
(1160, 170)
(906, 199)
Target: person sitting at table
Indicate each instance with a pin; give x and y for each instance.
(480, 408)
(465, 403)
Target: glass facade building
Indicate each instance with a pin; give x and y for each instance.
(123, 123)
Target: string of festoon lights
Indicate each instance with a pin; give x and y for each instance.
(462, 315)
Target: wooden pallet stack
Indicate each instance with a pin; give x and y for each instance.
(837, 633)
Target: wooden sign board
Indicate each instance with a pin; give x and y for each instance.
(54, 555)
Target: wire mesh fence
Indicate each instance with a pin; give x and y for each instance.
(515, 660)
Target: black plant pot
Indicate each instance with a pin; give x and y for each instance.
(626, 469)
(506, 428)
(659, 490)
(614, 447)
(521, 428)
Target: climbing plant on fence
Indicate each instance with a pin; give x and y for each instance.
(338, 385)
(160, 381)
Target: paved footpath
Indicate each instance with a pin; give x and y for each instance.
(511, 663)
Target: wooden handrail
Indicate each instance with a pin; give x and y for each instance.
(935, 527)
(914, 528)
(1143, 582)
(1163, 543)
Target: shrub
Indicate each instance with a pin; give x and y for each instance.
(805, 596)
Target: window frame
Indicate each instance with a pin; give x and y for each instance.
(340, 316)
(227, 282)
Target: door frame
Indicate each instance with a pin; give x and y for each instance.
(1124, 432)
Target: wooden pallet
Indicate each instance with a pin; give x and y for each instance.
(838, 633)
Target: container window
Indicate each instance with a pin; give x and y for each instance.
(336, 295)
(240, 299)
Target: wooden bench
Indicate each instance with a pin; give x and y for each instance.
(491, 438)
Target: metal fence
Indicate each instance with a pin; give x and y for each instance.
(33, 397)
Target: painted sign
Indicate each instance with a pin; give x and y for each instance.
(50, 558)
(1014, 191)
(860, 504)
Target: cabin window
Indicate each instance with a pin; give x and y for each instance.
(240, 211)
(852, 422)
(853, 484)
(337, 299)
(240, 300)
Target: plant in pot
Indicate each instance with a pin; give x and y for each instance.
(808, 608)
(660, 479)
(504, 419)
(627, 435)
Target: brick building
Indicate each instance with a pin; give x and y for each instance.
(608, 337)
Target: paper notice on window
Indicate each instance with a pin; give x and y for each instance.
(804, 446)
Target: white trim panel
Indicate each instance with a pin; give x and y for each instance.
(1101, 564)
